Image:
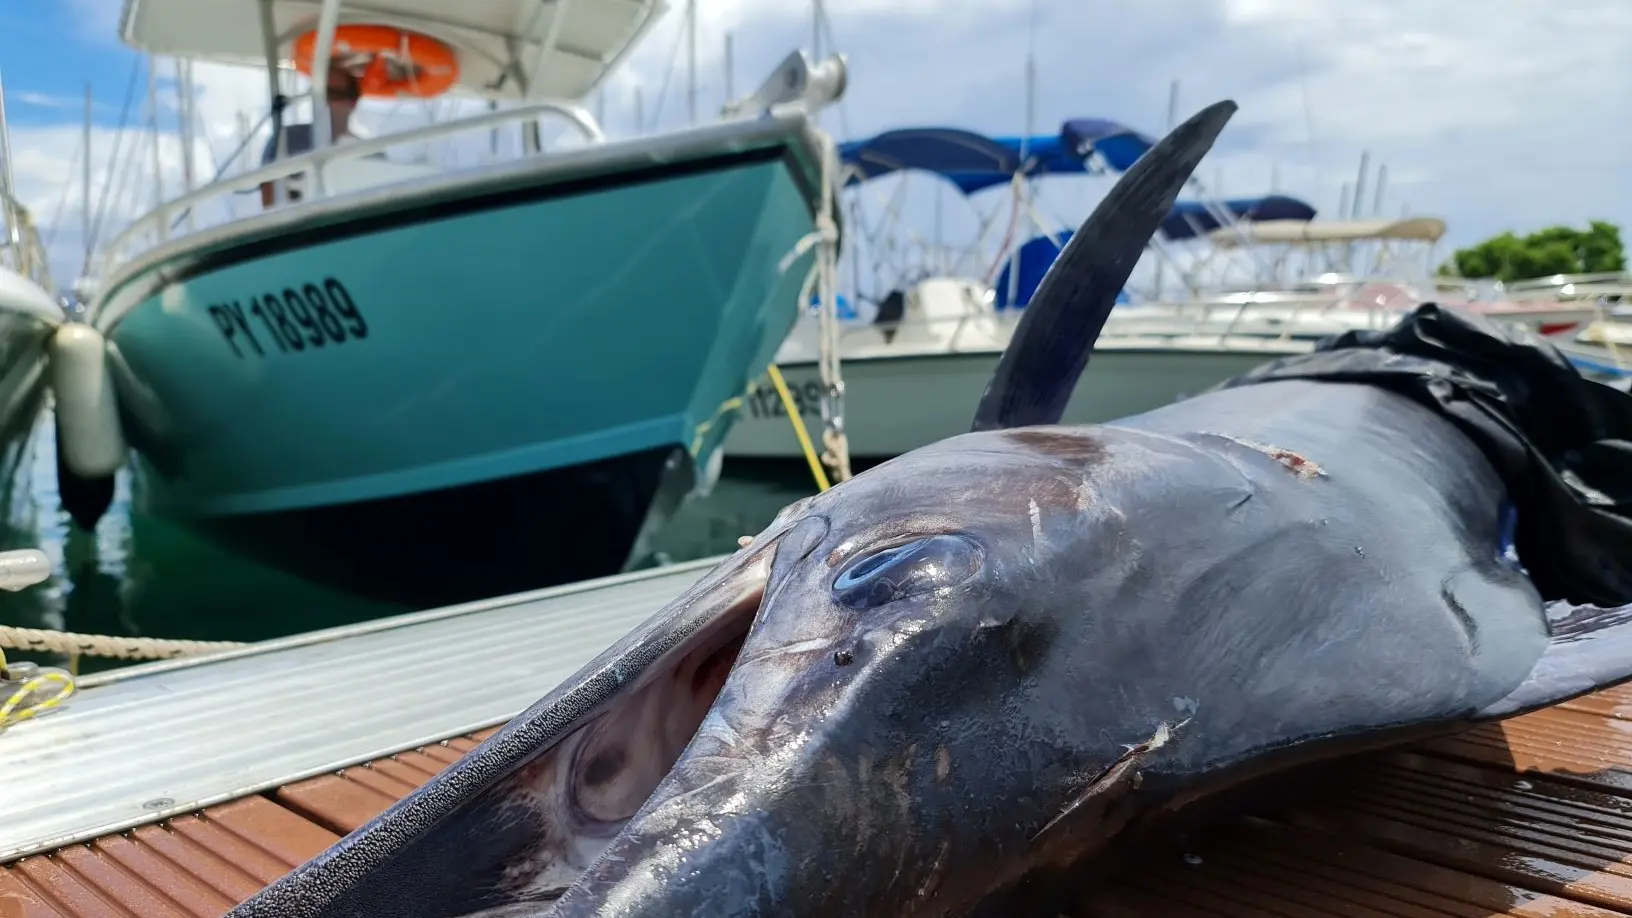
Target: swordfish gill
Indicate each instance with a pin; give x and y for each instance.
(940, 686)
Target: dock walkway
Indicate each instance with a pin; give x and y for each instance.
(162, 794)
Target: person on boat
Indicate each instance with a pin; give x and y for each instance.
(345, 87)
(891, 310)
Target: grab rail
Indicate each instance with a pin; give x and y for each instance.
(1285, 318)
(320, 161)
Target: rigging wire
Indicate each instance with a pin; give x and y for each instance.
(62, 202)
(113, 158)
(663, 91)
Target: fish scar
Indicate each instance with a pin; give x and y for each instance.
(1112, 775)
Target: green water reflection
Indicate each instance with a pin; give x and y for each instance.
(142, 576)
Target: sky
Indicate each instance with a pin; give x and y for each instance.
(1501, 115)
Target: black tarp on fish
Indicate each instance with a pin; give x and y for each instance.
(1561, 442)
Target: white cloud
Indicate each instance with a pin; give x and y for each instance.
(1510, 117)
(1507, 119)
(47, 100)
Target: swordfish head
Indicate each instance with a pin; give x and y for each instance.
(886, 741)
(860, 712)
(895, 735)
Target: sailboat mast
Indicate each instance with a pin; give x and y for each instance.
(86, 180)
(816, 30)
(1172, 121)
(691, 60)
(184, 111)
(6, 179)
(730, 69)
(13, 237)
(1023, 190)
(1360, 185)
(184, 77)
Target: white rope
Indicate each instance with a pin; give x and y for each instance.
(837, 453)
(822, 279)
(40, 640)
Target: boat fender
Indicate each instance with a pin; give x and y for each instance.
(23, 567)
(88, 431)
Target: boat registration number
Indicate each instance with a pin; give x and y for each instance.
(313, 316)
(764, 402)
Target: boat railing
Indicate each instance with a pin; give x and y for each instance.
(1608, 287)
(1332, 283)
(319, 163)
(1278, 315)
(949, 334)
(1272, 316)
(21, 248)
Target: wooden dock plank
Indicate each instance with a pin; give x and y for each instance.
(204, 838)
(1304, 872)
(20, 899)
(335, 802)
(189, 894)
(1531, 818)
(230, 880)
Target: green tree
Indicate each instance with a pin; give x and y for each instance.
(1553, 250)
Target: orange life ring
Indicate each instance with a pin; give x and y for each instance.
(401, 63)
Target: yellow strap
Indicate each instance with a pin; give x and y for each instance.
(13, 711)
(799, 428)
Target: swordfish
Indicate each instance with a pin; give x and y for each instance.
(942, 687)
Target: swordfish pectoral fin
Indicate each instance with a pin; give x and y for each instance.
(1590, 650)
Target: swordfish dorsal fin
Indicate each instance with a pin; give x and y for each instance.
(1050, 348)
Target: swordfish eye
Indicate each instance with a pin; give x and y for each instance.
(909, 569)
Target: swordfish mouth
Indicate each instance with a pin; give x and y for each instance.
(509, 828)
(603, 774)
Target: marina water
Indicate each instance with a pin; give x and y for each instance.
(138, 576)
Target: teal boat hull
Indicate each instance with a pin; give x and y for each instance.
(465, 394)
